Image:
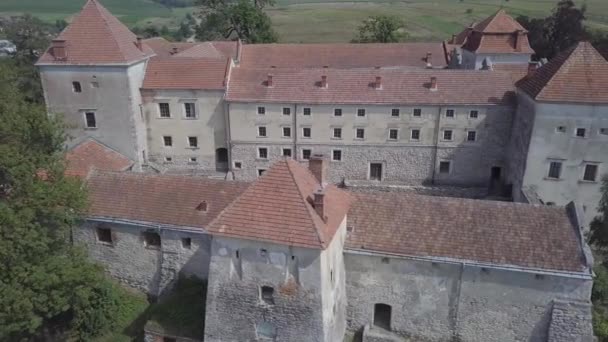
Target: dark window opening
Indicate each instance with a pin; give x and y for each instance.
(444, 167)
(267, 294)
(202, 206)
(449, 113)
(471, 136)
(447, 135)
(307, 111)
(262, 153)
(382, 316)
(360, 112)
(238, 165)
(360, 133)
(187, 243)
(375, 171)
(473, 114)
(395, 112)
(152, 239)
(496, 173)
(286, 152)
(306, 154)
(393, 134)
(261, 110)
(261, 172)
(555, 170)
(262, 131)
(415, 134)
(337, 155)
(76, 87)
(91, 122)
(286, 111)
(168, 141)
(590, 172)
(417, 112)
(581, 132)
(165, 112)
(337, 133)
(190, 110)
(385, 260)
(338, 112)
(287, 132)
(221, 155)
(193, 141)
(306, 132)
(104, 235)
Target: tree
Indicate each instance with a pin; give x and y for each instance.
(46, 283)
(243, 19)
(598, 238)
(558, 32)
(381, 29)
(599, 226)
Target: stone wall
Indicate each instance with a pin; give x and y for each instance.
(571, 322)
(519, 142)
(236, 309)
(150, 269)
(440, 301)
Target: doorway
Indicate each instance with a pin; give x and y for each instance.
(382, 316)
(375, 171)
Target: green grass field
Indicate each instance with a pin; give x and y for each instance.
(320, 21)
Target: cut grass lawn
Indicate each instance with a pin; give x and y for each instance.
(319, 21)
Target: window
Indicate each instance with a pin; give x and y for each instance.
(90, 120)
(603, 131)
(581, 132)
(415, 134)
(474, 114)
(165, 112)
(444, 167)
(203, 206)
(238, 165)
(375, 171)
(76, 87)
(336, 155)
(263, 153)
(447, 135)
(286, 111)
(385, 260)
(555, 169)
(286, 132)
(561, 129)
(167, 141)
(104, 235)
(306, 132)
(393, 134)
(337, 133)
(193, 142)
(306, 111)
(338, 112)
(192, 160)
(395, 112)
(190, 110)
(261, 172)
(168, 159)
(382, 316)
(361, 112)
(306, 154)
(417, 112)
(449, 113)
(186, 243)
(261, 110)
(360, 133)
(152, 239)
(286, 152)
(262, 131)
(471, 136)
(590, 172)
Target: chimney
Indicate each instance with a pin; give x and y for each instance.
(531, 68)
(378, 83)
(59, 50)
(318, 167)
(239, 50)
(139, 44)
(519, 40)
(269, 83)
(319, 203)
(324, 81)
(433, 84)
(429, 60)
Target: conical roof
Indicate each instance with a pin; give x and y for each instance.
(95, 36)
(578, 75)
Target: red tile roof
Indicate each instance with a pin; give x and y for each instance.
(500, 22)
(92, 155)
(495, 34)
(500, 233)
(97, 37)
(355, 86)
(341, 55)
(578, 75)
(162, 199)
(165, 48)
(186, 73)
(277, 208)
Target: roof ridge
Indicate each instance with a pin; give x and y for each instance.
(304, 202)
(104, 17)
(563, 59)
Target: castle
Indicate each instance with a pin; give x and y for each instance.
(288, 255)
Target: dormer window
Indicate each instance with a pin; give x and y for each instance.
(202, 206)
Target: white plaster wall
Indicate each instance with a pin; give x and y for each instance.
(114, 103)
(209, 127)
(546, 144)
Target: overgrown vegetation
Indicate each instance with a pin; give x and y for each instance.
(381, 29)
(242, 19)
(599, 240)
(49, 290)
(561, 30)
